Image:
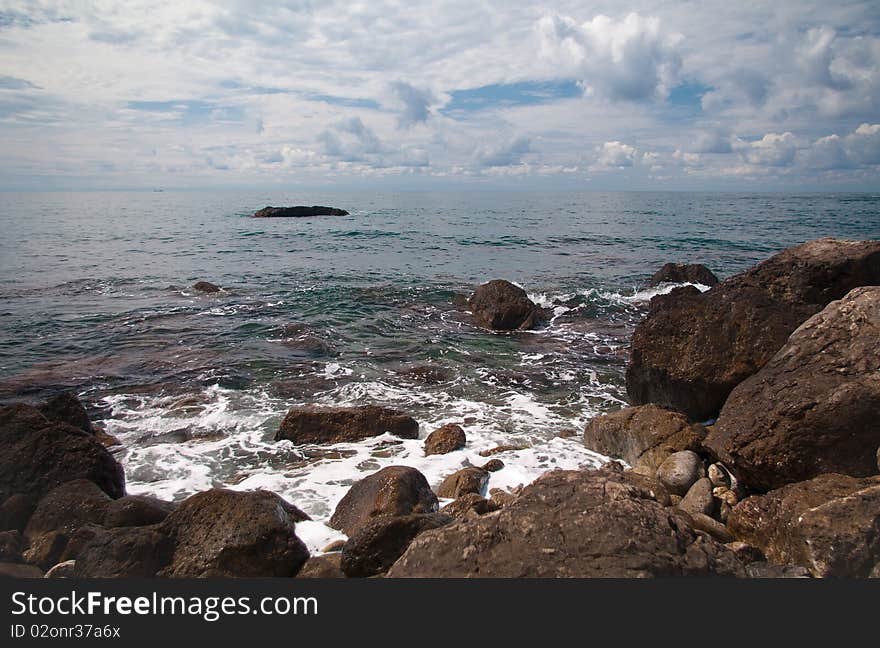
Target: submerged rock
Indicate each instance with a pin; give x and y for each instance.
(813, 407)
(580, 524)
(683, 273)
(299, 211)
(828, 524)
(206, 287)
(344, 424)
(690, 353)
(502, 306)
(392, 491)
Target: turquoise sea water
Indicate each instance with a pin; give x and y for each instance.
(95, 297)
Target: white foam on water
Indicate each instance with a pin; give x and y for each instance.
(231, 444)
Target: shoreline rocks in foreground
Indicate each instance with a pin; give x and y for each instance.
(299, 211)
(326, 425)
(813, 408)
(695, 273)
(692, 350)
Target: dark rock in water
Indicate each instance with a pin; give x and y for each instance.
(326, 566)
(829, 524)
(10, 546)
(643, 436)
(813, 408)
(16, 510)
(392, 491)
(235, 534)
(380, 542)
(470, 505)
(344, 424)
(125, 552)
(493, 465)
(299, 211)
(466, 480)
(445, 439)
(580, 524)
(136, 510)
(690, 353)
(684, 273)
(38, 455)
(502, 306)
(206, 287)
(66, 408)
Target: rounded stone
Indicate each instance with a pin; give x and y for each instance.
(680, 471)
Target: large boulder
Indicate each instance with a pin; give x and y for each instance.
(324, 566)
(299, 211)
(581, 524)
(392, 491)
(68, 507)
(380, 542)
(67, 408)
(344, 424)
(502, 306)
(829, 524)
(690, 353)
(136, 510)
(228, 533)
(695, 273)
(813, 407)
(643, 436)
(38, 455)
(125, 552)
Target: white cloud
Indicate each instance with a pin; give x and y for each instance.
(415, 103)
(774, 149)
(615, 155)
(633, 58)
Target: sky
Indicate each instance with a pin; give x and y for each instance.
(585, 95)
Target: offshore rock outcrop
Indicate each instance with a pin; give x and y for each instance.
(299, 211)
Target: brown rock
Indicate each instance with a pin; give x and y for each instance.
(493, 465)
(136, 510)
(17, 570)
(64, 569)
(466, 480)
(126, 552)
(502, 306)
(469, 505)
(326, 566)
(39, 455)
(679, 471)
(445, 439)
(16, 510)
(299, 211)
(711, 526)
(336, 545)
(46, 549)
(344, 424)
(228, 533)
(499, 449)
(643, 436)
(392, 491)
(66, 508)
(693, 351)
(10, 546)
(699, 498)
(828, 524)
(379, 543)
(205, 287)
(813, 407)
(66, 408)
(599, 523)
(683, 273)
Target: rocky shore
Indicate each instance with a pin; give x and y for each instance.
(751, 449)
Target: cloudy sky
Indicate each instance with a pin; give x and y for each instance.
(592, 95)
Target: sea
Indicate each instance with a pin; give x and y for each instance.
(96, 297)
